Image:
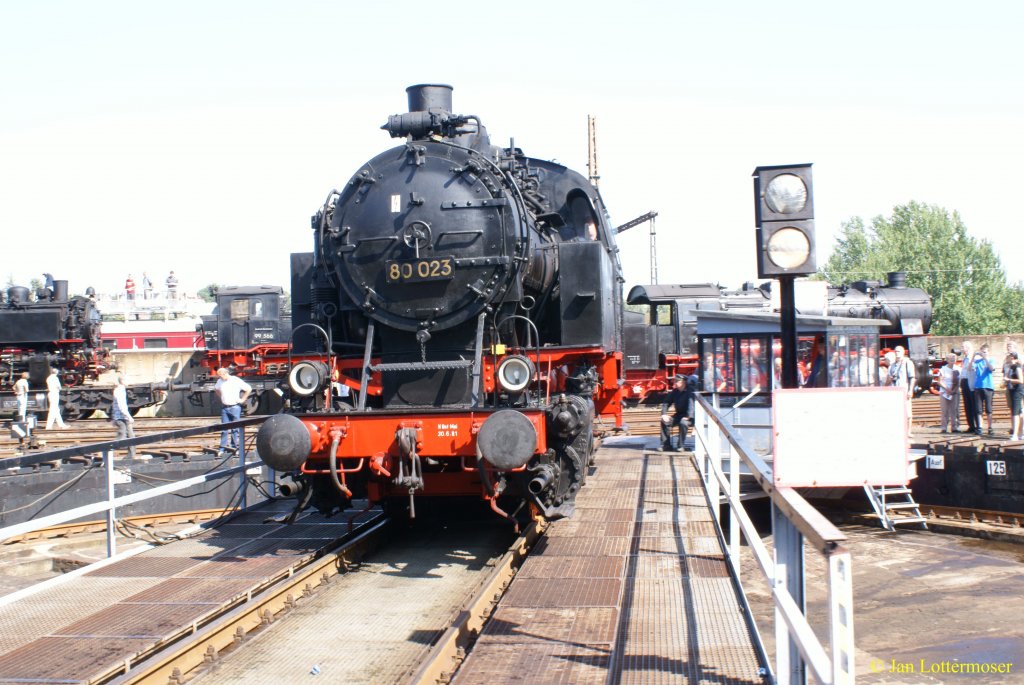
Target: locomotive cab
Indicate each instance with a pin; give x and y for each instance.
(245, 317)
(660, 334)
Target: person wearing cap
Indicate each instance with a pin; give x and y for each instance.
(678, 400)
(233, 392)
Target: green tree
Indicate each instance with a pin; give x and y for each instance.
(209, 293)
(964, 276)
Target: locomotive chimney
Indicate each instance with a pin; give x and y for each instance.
(430, 97)
(60, 291)
(897, 279)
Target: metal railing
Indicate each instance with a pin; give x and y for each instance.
(110, 505)
(794, 520)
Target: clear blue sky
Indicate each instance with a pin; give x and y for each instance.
(200, 136)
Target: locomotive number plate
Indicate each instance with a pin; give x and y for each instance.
(415, 270)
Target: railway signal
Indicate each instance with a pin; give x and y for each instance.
(784, 206)
(784, 212)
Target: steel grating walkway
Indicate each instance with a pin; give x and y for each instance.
(79, 631)
(634, 589)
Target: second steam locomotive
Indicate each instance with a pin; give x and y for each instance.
(660, 338)
(50, 329)
(467, 300)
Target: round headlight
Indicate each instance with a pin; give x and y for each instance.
(786, 194)
(515, 373)
(788, 248)
(307, 378)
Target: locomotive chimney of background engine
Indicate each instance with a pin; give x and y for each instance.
(430, 97)
(897, 279)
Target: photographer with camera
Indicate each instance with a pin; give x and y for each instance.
(983, 387)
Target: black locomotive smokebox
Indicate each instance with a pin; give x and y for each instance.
(283, 442)
(507, 439)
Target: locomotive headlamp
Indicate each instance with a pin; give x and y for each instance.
(784, 209)
(307, 378)
(515, 373)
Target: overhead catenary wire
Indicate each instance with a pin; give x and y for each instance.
(920, 271)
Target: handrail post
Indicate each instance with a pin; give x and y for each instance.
(108, 467)
(840, 601)
(714, 457)
(734, 496)
(790, 668)
(698, 443)
(241, 462)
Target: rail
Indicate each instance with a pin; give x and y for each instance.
(794, 520)
(112, 502)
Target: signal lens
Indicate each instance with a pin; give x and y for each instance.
(786, 194)
(788, 248)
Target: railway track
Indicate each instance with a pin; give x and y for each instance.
(252, 600)
(99, 430)
(429, 584)
(68, 530)
(642, 420)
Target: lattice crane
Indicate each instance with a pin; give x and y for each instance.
(649, 216)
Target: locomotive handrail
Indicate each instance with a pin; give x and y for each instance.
(793, 520)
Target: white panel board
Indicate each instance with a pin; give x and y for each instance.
(835, 437)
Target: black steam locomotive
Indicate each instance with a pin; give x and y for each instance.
(53, 330)
(467, 299)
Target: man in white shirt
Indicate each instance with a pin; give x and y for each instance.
(53, 400)
(21, 392)
(121, 416)
(233, 391)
